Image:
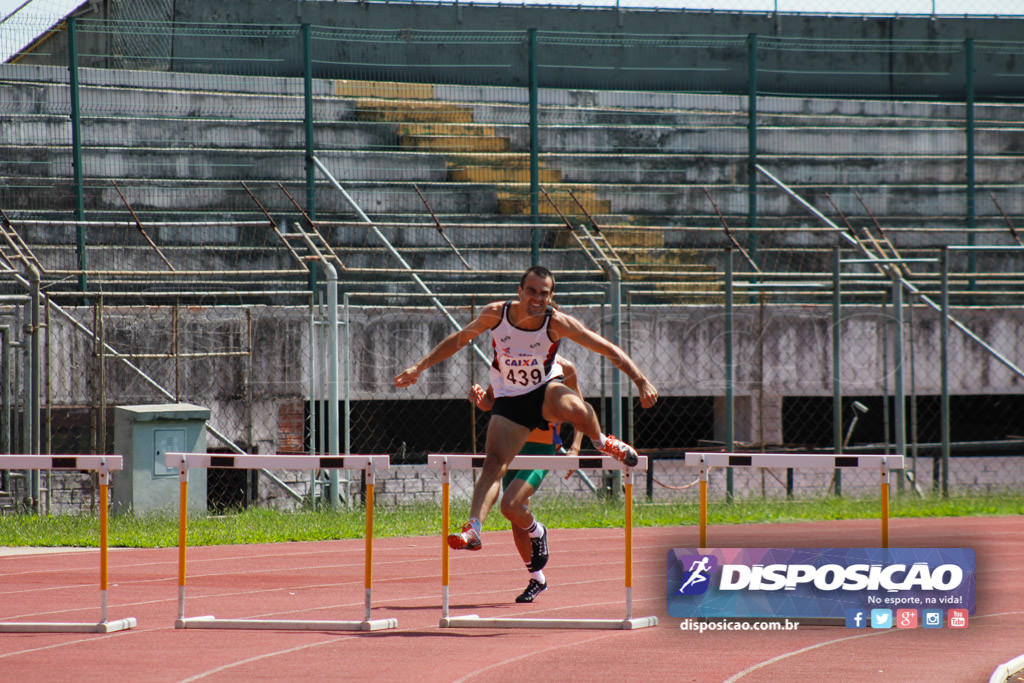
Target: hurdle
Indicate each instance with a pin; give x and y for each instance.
(882, 464)
(103, 465)
(447, 463)
(368, 463)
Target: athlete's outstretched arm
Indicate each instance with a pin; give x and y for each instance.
(571, 328)
(450, 345)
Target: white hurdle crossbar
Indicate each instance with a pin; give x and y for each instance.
(368, 463)
(563, 463)
(882, 464)
(103, 465)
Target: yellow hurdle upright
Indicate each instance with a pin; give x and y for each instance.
(103, 465)
(884, 463)
(564, 463)
(368, 463)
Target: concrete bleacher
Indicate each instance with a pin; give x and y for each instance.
(179, 145)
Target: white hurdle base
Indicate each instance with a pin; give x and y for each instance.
(67, 627)
(286, 624)
(474, 621)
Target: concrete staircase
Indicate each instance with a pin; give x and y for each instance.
(475, 152)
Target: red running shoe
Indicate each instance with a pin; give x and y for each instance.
(620, 450)
(469, 539)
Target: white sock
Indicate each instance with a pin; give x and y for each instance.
(599, 443)
(536, 529)
(475, 523)
(538, 576)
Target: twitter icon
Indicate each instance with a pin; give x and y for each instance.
(881, 618)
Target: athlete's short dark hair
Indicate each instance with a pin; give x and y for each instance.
(539, 271)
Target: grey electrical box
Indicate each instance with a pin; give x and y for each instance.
(143, 434)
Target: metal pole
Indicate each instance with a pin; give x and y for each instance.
(307, 90)
(969, 132)
(944, 416)
(5, 389)
(837, 388)
(752, 139)
(730, 417)
(348, 377)
(534, 148)
(76, 148)
(34, 412)
(313, 392)
(332, 374)
(898, 389)
(615, 294)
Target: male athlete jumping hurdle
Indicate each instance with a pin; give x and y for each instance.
(527, 382)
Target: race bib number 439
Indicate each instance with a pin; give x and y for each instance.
(521, 371)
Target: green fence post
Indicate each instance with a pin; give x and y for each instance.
(944, 416)
(969, 161)
(76, 149)
(837, 387)
(615, 294)
(307, 72)
(752, 141)
(307, 96)
(534, 148)
(730, 417)
(897, 352)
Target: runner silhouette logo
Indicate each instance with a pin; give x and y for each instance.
(696, 573)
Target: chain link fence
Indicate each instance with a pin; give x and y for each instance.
(176, 266)
(261, 371)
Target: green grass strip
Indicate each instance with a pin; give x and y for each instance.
(260, 525)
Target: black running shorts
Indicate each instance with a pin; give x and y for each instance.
(526, 410)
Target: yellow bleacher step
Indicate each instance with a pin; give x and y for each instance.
(444, 128)
(383, 89)
(515, 203)
(631, 237)
(633, 242)
(455, 143)
(426, 124)
(406, 111)
(501, 174)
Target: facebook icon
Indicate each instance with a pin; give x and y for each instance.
(856, 618)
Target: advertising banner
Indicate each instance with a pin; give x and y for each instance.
(866, 587)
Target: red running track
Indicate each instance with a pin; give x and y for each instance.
(325, 581)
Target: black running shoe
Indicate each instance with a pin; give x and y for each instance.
(538, 552)
(533, 589)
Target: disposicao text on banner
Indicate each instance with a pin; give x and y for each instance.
(816, 582)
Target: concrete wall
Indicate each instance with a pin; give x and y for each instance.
(787, 352)
(720, 68)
